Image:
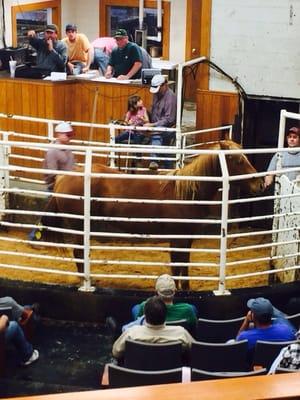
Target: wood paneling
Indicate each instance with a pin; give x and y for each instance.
(215, 109)
(71, 100)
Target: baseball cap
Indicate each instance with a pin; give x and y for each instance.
(120, 33)
(156, 83)
(51, 28)
(261, 306)
(165, 286)
(295, 130)
(64, 127)
(71, 27)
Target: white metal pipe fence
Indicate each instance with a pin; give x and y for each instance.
(212, 264)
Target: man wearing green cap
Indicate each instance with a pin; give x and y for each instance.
(125, 60)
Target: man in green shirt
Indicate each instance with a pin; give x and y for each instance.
(166, 289)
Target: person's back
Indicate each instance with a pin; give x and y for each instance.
(154, 329)
(277, 332)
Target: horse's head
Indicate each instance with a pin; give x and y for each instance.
(238, 164)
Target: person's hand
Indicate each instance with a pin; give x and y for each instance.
(31, 33)
(249, 317)
(148, 124)
(268, 181)
(50, 44)
(71, 67)
(122, 77)
(85, 69)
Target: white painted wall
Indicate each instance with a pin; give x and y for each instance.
(258, 42)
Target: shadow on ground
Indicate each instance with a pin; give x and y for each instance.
(72, 358)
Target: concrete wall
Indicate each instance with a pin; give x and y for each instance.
(257, 42)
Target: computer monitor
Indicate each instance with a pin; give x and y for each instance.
(147, 75)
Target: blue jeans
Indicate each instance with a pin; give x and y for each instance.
(14, 334)
(135, 137)
(162, 140)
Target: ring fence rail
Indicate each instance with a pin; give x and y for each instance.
(236, 249)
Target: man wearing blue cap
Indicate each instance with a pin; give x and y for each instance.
(260, 315)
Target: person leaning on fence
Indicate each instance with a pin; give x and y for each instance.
(136, 115)
(290, 159)
(163, 114)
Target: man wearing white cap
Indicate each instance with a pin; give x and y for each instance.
(166, 288)
(59, 159)
(163, 113)
(56, 159)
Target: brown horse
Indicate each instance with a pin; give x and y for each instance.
(202, 165)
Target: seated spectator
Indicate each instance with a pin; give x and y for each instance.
(289, 357)
(80, 51)
(260, 314)
(51, 52)
(136, 115)
(19, 313)
(154, 330)
(166, 288)
(14, 335)
(163, 114)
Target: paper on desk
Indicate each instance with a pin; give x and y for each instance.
(56, 76)
(112, 80)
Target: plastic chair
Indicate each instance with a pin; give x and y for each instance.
(280, 370)
(152, 356)
(225, 357)
(217, 331)
(122, 377)
(265, 352)
(201, 375)
(294, 319)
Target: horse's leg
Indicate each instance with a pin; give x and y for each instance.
(181, 257)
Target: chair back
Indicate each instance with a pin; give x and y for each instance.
(225, 357)
(265, 352)
(152, 356)
(122, 377)
(201, 375)
(179, 322)
(217, 331)
(294, 319)
(280, 370)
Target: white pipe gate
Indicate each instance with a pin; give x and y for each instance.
(217, 269)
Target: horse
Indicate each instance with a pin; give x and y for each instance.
(104, 187)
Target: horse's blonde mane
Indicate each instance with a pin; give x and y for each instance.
(202, 165)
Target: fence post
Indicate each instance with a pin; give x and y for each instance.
(224, 227)
(87, 222)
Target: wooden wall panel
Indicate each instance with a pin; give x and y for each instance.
(215, 109)
(71, 100)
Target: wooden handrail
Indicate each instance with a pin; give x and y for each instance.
(282, 386)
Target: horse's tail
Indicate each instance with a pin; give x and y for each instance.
(52, 221)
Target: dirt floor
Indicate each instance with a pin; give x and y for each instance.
(14, 252)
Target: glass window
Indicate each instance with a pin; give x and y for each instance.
(36, 20)
(128, 18)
